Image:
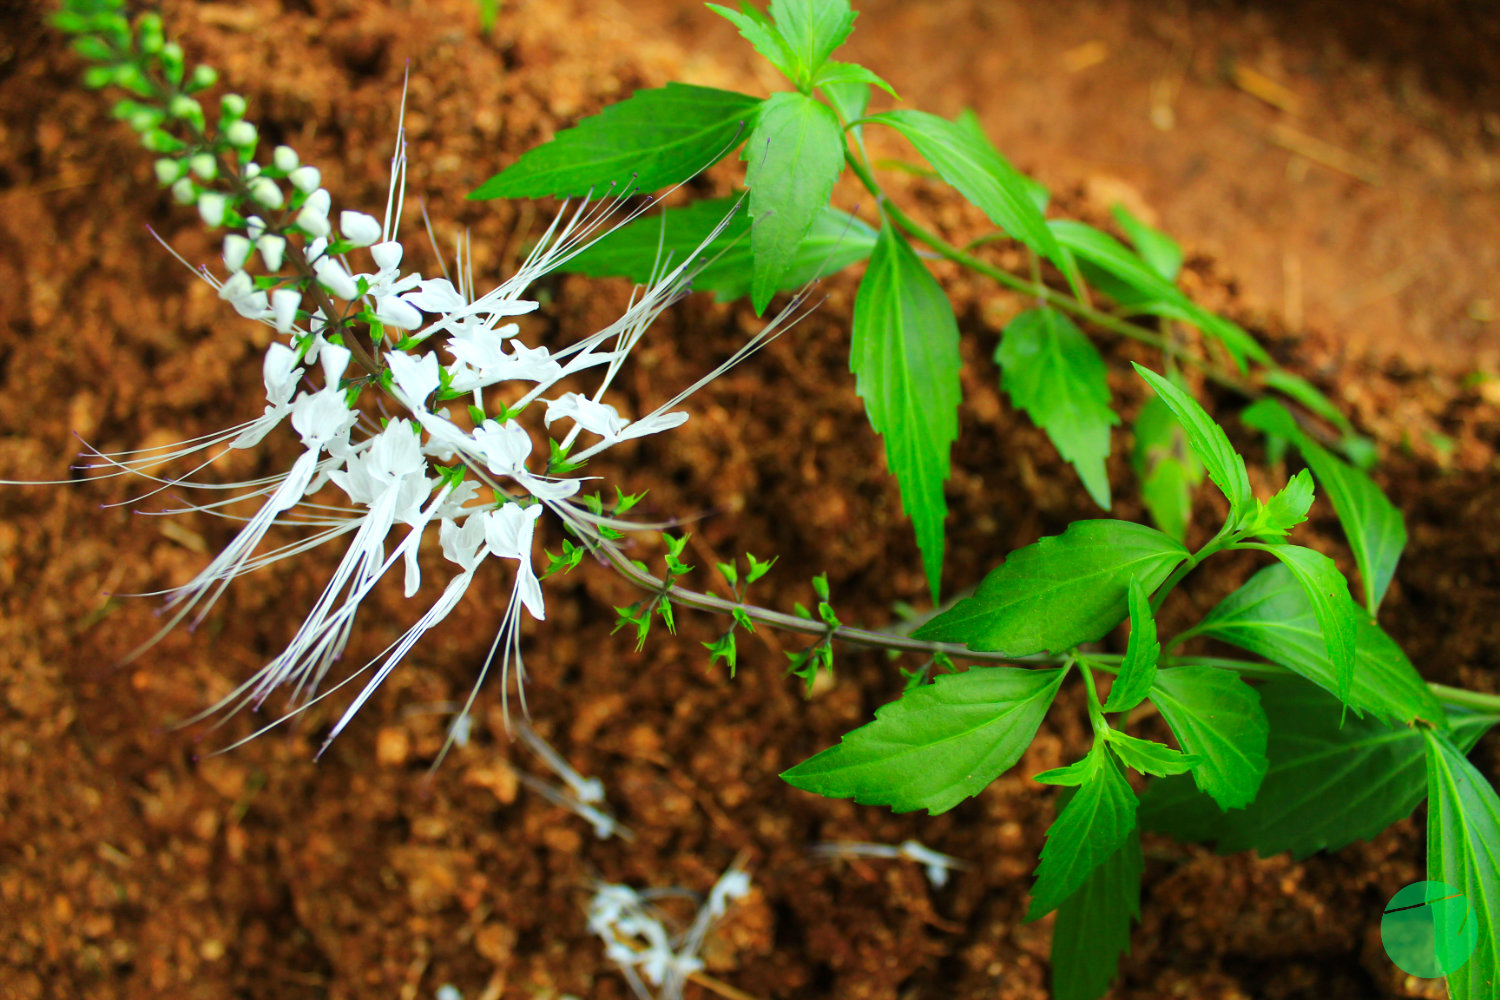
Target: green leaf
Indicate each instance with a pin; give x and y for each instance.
(812, 29)
(1166, 466)
(793, 156)
(848, 99)
(1326, 785)
(1147, 291)
(939, 744)
(905, 360)
(1374, 527)
(1225, 466)
(1272, 616)
(760, 33)
(1072, 775)
(1298, 388)
(1160, 252)
(1059, 592)
(652, 139)
(1138, 669)
(1327, 591)
(965, 159)
(635, 251)
(1273, 518)
(1036, 192)
(723, 648)
(1092, 929)
(1463, 850)
(843, 73)
(1054, 373)
(1092, 826)
(1148, 757)
(1216, 716)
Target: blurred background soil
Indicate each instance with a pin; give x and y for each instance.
(1332, 170)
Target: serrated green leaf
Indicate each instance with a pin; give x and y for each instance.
(1160, 252)
(840, 72)
(1059, 592)
(1138, 669)
(793, 156)
(1271, 616)
(1374, 527)
(1337, 615)
(905, 360)
(1147, 291)
(1463, 850)
(1148, 757)
(1070, 776)
(1273, 518)
(1052, 370)
(1167, 467)
(760, 33)
(652, 139)
(939, 744)
(1209, 442)
(1217, 716)
(1092, 929)
(1093, 825)
(812, 29)
(1325, 787)
(635, 251)
(966, 160)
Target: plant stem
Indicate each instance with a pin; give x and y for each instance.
(1041, 291)
(1476, 700)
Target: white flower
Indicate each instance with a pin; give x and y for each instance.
(306, 179)
(509, 531)
(415, 378)
(211, 205)
(504, 447)
(240, 291)
(436, 295)
(394, 312)
(284, 305)
(264, 192)
(601, 418)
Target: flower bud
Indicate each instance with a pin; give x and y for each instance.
(231, 108)
(251, 171)
(183, 106)
(359, 228)
(332, 276)
(241, 135)
(306, 179)
(167, 170)
(236, 251)
(284, 158)
(402, 315)
(184, 191)
(264, 192)
(272, 248)
(204, 165)
(203, 77)
(254, 226)
(284, 304)
(211, 206)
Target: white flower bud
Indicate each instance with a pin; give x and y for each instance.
(204, 165)
(319, 201)
(313, 223)
(306, 179)
(284, 304)
(232, 106)
(332, 276)
(252, 171)
(254, 226)
(241, 135)
(167, 170)
(236, 251)
(272, 248)
(359, 228)
(314, 250)
(284, 158)
(402, 315)
(387, 255)
(263, 191)
(211, 205)
(184, 191)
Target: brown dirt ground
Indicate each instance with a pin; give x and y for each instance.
(131, 866)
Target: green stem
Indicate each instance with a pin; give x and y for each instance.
(1461, 698)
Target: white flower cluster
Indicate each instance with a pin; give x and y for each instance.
(469, 475)
(636, 939)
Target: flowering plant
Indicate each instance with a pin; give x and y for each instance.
(375, 362)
